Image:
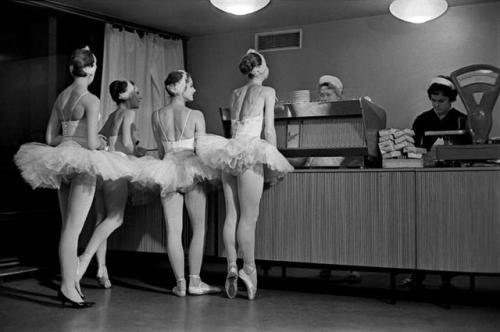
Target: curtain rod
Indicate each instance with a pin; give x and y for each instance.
(99, 17)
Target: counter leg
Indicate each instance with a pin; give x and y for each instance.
(392, 298)
(472, 282)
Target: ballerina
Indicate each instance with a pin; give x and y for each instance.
(181, 176)
(71, 162)
(111, 196)
(242, 159)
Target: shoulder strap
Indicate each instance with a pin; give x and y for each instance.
(185, 123)
(72, 108)
(78, 100)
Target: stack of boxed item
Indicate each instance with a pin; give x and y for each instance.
(398, 148)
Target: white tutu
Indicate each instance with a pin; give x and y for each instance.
(45, 166)
(178, 171)
(236, 155)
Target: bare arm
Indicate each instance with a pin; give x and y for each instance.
(200, 124)
(157, 134)
(269, 131)
(135, 136)
(91, 105)
(232, 109)
(52, 134)
(127, 123)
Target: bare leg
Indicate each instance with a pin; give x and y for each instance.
(250, 186)
(63, 195)
(79, 201)
(196, 202)
(100, 214)
(172, 210)
(115, 200)
(229, 185)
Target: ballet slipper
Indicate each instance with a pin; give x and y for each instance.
(198, 287)
(231, 285)
(102, 277)
(180, 289)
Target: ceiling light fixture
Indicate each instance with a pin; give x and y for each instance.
(240, 7)
(418, 11)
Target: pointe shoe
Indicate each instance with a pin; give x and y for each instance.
(180, 289)
(103, 280)
(249, 283)
(231, 285)
(73, 304)
(202, 289)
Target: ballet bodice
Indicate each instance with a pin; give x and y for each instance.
(182, 144)
(75, 130)
(251, 126)
(179, 144)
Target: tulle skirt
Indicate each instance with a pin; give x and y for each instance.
(179, 171)
(45, 166)
(236, 155)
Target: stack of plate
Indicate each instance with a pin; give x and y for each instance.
(300, 96)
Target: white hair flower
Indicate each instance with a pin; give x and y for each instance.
(125, 95)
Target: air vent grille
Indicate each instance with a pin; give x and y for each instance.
(278, 40)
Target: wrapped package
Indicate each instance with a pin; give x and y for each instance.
(387, 131)
(413, 149)
(386, 146)
(404, 138)
(391, 154)
(385, 138)
(413, 155)
(402, 145)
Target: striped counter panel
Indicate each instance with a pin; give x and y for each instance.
(351, 218)
(458, 220)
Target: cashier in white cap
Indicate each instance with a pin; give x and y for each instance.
(442, 117)
(330, 88)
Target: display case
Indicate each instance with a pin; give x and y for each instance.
(322, 129)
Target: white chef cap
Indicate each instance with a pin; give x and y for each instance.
(333, 80)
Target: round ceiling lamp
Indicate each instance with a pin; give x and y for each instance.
(418, 11)
(240, 7)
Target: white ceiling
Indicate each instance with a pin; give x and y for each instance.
(199, 17)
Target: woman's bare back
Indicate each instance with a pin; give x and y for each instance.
(247, 102)
(69, 104)
(178, 122)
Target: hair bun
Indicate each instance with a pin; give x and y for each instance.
(80, 59)
(246, 65)
(249, 62)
